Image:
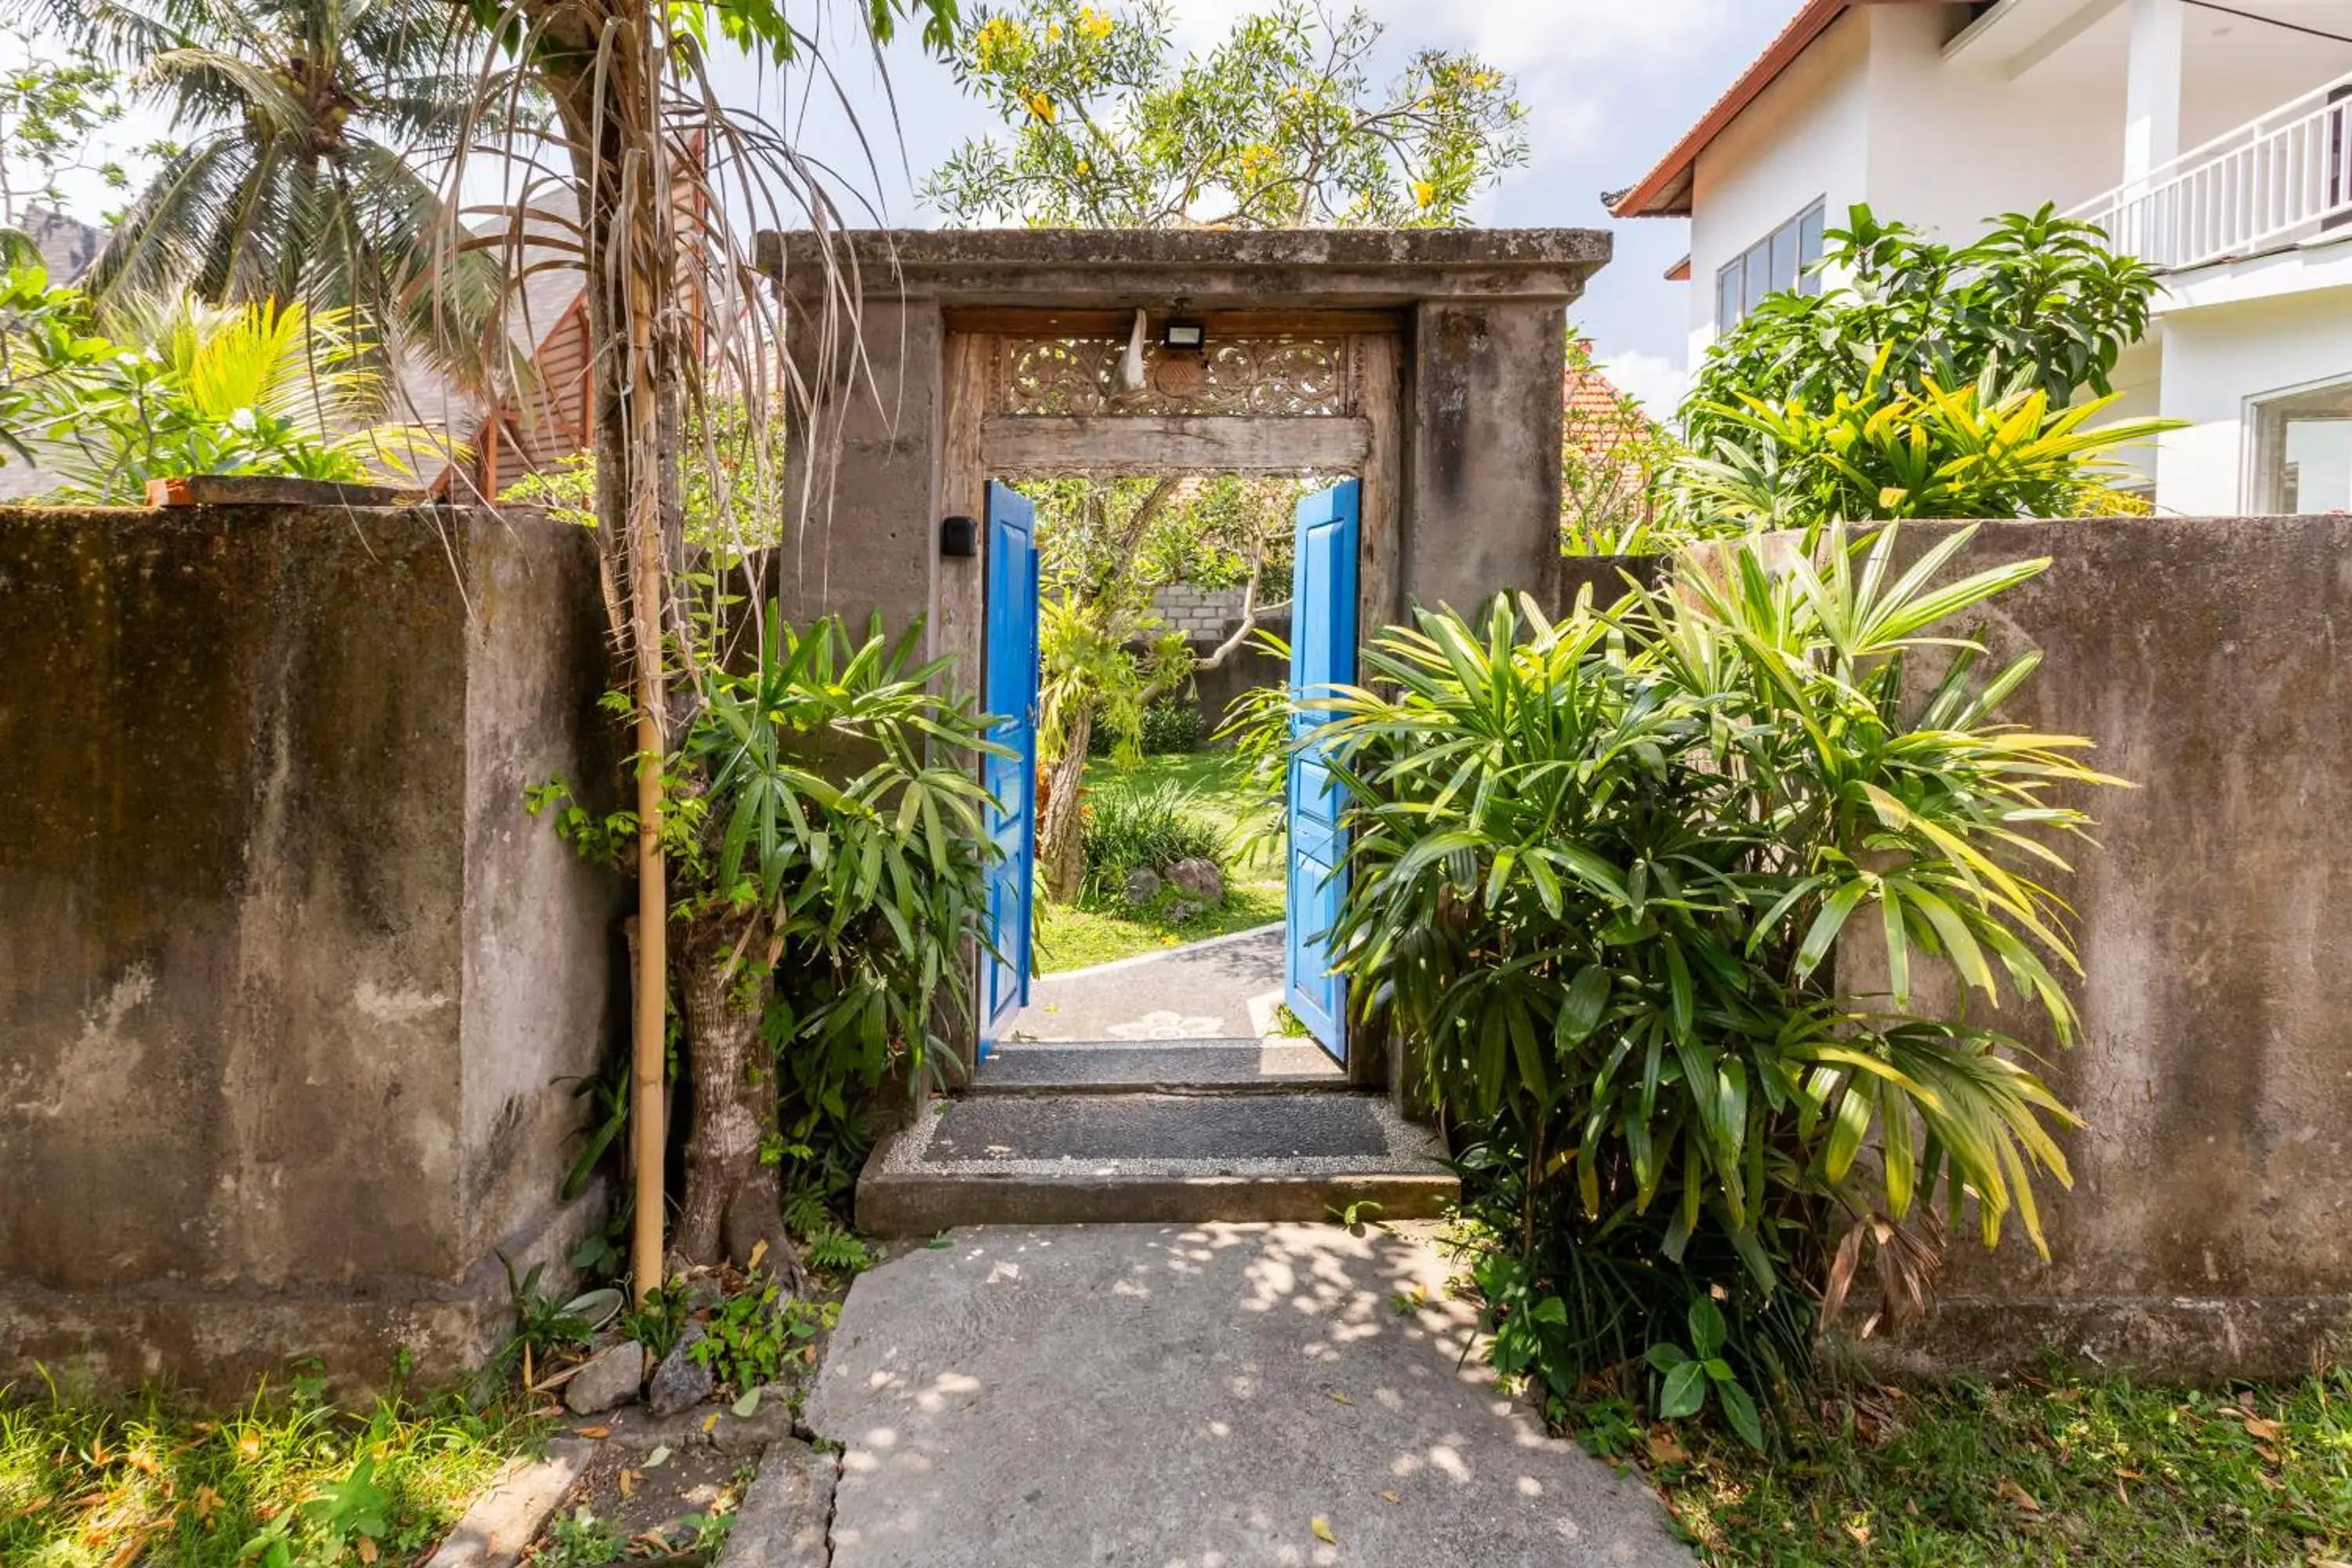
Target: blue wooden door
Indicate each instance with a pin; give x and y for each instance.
(1009, 692)
(1322, 654)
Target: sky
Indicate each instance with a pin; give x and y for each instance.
(1609, 86)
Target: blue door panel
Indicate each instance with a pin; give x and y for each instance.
(1008, 693)
(1322, 655)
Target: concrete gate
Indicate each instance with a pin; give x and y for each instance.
(1427, 364)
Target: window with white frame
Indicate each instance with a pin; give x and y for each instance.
(1780, 261)
(2303, 451)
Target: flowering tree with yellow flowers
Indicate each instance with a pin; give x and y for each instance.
(1279, 126)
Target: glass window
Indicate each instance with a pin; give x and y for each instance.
(1809, 248)
(1773, 264)
(1784, 259)
(2302, 449)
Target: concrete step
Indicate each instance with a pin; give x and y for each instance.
(1109, 1158)
(1162, 1067)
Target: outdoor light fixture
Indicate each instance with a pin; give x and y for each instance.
(1184, 337)
(959, 536)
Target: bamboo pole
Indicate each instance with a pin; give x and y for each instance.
(645, 589)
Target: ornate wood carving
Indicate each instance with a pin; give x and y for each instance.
(1283, 377)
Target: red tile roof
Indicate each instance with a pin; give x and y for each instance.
(1595, 405)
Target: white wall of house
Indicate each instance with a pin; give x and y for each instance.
(2221, 360)
(1805, 138)
(2038, 102)
(1951, 143)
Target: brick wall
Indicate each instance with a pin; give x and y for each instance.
(1205, 614)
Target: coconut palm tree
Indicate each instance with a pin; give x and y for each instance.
(315, 133)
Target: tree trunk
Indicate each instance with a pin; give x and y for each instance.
(733, 1200)
(1058, 831)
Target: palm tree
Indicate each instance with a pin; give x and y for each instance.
(316, 133)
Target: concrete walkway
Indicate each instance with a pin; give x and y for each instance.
(1226, 988)
(1164, 1396)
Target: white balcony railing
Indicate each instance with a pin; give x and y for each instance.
(2271, 182)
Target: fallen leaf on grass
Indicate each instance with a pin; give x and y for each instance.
(629, 1480)
(759, 1250)
(366, 1548)
(2261, 1431)
(1665, 1450)
(208, 1502)
(1861, 1533)
(591, 1431)
(654, 1461)
(2018, 1495)
(1322, 1528)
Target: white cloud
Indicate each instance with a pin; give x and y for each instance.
(1517, 35)
(1653, 380)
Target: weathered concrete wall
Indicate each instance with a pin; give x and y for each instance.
(1481, 452)
(288, 971)
(2209, 1229)
(2209, 1232)
(1217, 690)
(864, 537)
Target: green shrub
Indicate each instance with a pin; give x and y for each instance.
(1974, 452)
(1171, 727)
(1144, 830)
(1598, 867)
(2039, 298)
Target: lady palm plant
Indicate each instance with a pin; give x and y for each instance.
(1601, 867)
(827, 859)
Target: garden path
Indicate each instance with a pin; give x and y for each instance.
(1224, 988)
(1183, 1396)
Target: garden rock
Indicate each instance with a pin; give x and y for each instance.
(1142, 887)
(608, 1379)
(680, 1383)
(1199, 878)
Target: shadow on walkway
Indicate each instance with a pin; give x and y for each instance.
(1194, 1398)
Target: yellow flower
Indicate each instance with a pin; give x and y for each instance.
(996, 36)
(1423, 193)
(1095, 24)
(1084, 167)
(1042, 107)
(1054, 33)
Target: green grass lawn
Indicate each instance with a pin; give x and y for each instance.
(1076, 937)
(156, 1481)
(2044, 1471)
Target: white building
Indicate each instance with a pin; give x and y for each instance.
(2214, 140)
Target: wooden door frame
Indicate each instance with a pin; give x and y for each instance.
(1367, 445)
